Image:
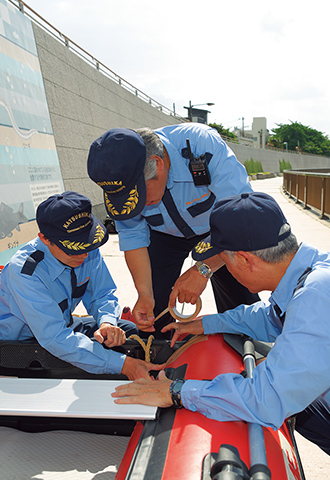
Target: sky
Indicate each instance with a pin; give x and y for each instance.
(254, 58)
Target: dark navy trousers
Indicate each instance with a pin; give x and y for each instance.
(314, 424)
(167, 255)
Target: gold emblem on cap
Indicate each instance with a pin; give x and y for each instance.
(72, 220)
(128, 206)
(111, 209)
(98, 237)
(131, 202)
(99, 234)
(117, 186)
(202, 247)
(74, 245)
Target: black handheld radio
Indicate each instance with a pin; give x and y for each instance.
(198, 168)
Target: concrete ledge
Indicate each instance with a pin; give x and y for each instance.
(261, 176)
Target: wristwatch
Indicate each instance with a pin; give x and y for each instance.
(204, 269)
(175, 391)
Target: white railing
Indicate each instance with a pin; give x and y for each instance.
(90, 59)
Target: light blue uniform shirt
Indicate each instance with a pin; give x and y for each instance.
(228, 177)
(297, 369)
(39, 306)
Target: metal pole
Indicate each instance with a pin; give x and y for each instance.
(323, 198)
(258, 459)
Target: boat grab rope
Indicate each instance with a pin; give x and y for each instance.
(146, 346)
(174, 313)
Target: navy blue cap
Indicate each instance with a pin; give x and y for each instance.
(116, 163)
(248, 222)
(66, 219)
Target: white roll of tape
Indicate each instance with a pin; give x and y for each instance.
(186, 318)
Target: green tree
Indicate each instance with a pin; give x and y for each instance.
(223, 131)
(297, 135)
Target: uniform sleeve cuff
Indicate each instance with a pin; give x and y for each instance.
(210, 324)
(116, 362)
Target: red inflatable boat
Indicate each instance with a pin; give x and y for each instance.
(178, 444)
(186, 445)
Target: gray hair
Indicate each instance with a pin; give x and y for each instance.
(154, 146)
(275, 254)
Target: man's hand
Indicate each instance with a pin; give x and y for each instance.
(191, 283)
(188, 287)
(194, 328)
(144, 314)
(155, 393)
(134, 368)
(110, 335)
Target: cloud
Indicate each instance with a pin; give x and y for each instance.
(249, 58)
(274, 26)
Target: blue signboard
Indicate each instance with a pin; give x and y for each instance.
(29, 165)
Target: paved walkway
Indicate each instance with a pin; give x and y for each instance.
(307, 227)
(25, 456)
(28, 455)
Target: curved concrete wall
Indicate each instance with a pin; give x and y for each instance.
(270, 159)
(84, 103)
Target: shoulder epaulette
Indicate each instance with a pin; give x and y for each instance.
(302, 279)
(32, 261)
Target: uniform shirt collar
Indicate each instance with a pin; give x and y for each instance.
(283, 294)
(179, 170)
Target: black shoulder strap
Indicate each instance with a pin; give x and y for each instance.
(31, 262)
(300, 284)
(207, 155)
(302, 278)
(173, 212)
